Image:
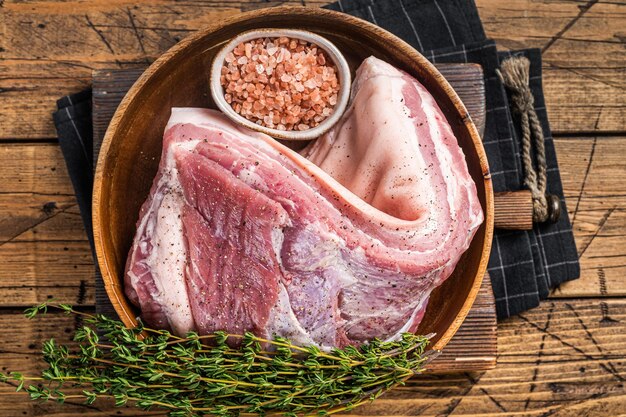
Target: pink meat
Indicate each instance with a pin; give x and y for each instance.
(232, 274)
(241, 233)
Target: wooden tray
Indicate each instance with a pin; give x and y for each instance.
(473, 348)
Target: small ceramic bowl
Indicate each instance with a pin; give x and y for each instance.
(217, 91)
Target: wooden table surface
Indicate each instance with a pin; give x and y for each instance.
(565, 358)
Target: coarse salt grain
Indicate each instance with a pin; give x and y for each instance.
(280, 83)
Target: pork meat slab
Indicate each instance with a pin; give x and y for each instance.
(240, 233)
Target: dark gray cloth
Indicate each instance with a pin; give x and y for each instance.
(75, 132)
(524, 265)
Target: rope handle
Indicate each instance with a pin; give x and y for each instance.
(515, 75)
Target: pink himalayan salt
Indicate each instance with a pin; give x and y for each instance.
(280, 83)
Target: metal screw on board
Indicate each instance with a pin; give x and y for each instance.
(554, 208)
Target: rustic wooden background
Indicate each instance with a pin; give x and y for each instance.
(565, 358)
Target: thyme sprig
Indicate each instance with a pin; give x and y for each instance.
(219, 374)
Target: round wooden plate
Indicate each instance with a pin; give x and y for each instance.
(179, 78)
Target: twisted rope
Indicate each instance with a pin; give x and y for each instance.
(514, 74)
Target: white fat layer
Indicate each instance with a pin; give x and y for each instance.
(437, 129)
(167, 261)
(454, 183)
(329, 255)
(406, 128)
(283, 321)
(324, 256)
(404, 329)
(278, 237)
(162, 224)
(391, 83)
(443, 154)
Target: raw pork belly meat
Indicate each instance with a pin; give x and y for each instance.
(240, 233)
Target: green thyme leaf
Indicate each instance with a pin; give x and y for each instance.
(219, 375)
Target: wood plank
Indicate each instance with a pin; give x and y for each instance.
(49, 49)
(33, 168)
(474, 346)
(44, 252)
(593, 170)
(565, 358)
(38, 270)
(583, 56)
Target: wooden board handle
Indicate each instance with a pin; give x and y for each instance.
(513, 210)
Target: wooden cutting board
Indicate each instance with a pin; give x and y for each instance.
(473, 348)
